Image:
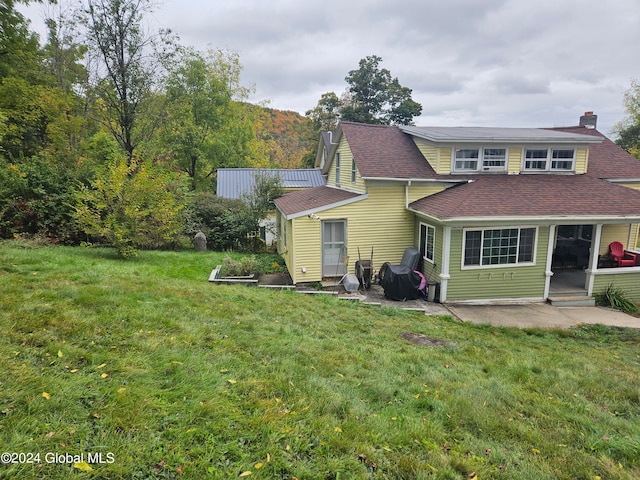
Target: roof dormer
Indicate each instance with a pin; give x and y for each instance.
(464, 150)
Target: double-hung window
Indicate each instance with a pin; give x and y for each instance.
(466, 159)
(353, 170)
(480, 159)
(503, 246)
(562, 159)
(427, 241)
(337, 169)
(546, 159)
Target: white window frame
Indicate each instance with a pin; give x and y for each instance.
(337, 162)
(549, 159)
(353, 170)
(481, 161)
(433, 242)
(515, 264)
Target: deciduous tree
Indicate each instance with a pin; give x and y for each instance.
(208, 124)
(373, 96)
(128, 70)
(628, 130)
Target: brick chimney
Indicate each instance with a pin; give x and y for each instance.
(588, 120)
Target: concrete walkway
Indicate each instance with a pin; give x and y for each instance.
(541, 315)
(525, 315)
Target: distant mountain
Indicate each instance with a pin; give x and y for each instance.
(290, 139)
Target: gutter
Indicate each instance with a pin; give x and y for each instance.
(425, 180)
(554, 219)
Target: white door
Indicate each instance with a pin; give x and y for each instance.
(334, 249)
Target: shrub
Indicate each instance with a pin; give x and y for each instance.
(226, 222)
(244, 266)
(35, 199)
(615, 297)
(131, 206)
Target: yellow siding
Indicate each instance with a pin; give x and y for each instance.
(613, 233)
(582, 159)
(381, 222)
(346, 159)
(438, 157)
(417, 192)
(286, 250)
(635, 237)
(308, 252)
(635, 186)
(515, 160)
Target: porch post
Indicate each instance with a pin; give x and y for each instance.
(593, 260)
(548, 273)
(446, 254)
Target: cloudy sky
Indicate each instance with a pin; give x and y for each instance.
(468, 62)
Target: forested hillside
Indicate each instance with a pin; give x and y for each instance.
(113, 134)
(290, 139)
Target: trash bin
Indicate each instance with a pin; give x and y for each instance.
(432, 291)
(350, 282)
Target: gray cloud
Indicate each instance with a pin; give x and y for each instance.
(468, 62)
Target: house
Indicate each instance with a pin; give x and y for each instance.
(498, 214)
(237, 183)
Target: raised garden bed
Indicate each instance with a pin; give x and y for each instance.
(216, 277)
(267, 280)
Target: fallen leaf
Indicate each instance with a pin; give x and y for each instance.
(337, 429)
(74, 370)
(101, 366)
(231, 381)
(50, 434)
(84, 466)
(268, 457)
(121, 390)
(60, 353)
(245, 474)
(258, 465)
(46, 395)
(104, 375)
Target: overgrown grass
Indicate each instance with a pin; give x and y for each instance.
(174, 377)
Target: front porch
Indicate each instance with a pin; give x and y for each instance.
(600, 270)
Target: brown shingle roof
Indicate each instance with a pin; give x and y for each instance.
(606, 159)
(313, 198)
(532, 196)
(383, 151)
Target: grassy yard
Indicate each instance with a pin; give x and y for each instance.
(168, 376)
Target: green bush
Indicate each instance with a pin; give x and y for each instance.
(225, 222)
(616, 298)
(131, 206)
(35, 199)
(244, 266)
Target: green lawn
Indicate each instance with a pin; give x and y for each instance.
(169, 376)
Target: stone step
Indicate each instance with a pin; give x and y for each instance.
(572, 301)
